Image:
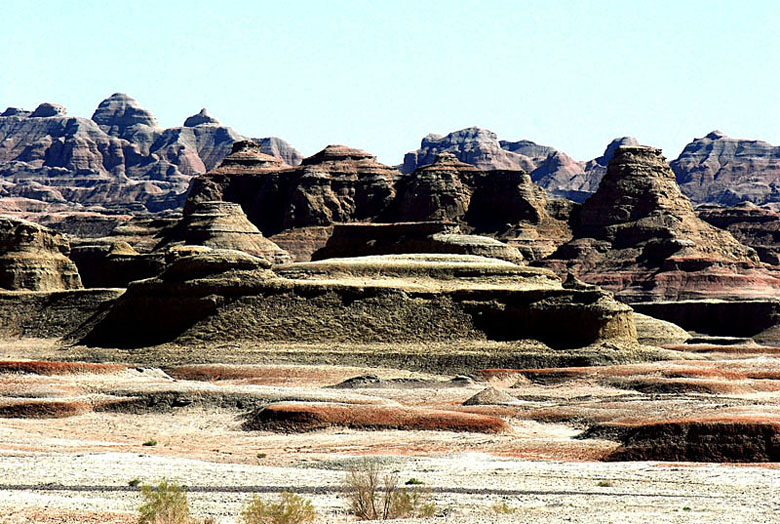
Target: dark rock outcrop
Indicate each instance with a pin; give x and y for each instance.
(34, 258)
(364, 239)
(638, 235)
(229, 295)
(724, 170)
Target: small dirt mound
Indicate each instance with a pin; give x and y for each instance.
(490, 397)
(702, 440)
(42, 408)
(292, 417)
(36, 367)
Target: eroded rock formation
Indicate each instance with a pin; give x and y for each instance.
(229, 295)
(638, 235)
(725, 170)
(34, 258)
(757, 227)
(119, 158)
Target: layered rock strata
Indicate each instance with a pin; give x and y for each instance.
(34, 258)
(724, 170)
(638, 235)
(222, 225)
(119, 158)
(757, 227)
(229, 296)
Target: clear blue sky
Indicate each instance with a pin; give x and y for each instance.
(379, 75)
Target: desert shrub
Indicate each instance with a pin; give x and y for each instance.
(164, 504)
(503, 508)
(290, 509)
(150, 442)
(373, 494)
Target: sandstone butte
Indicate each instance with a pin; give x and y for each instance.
(639, 236)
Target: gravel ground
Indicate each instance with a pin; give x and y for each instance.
(465, 487)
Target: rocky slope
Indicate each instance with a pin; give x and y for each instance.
(340, 185)
(119, 158)
(559, 174)
(34, 258)
(639, 236)
(725, 170)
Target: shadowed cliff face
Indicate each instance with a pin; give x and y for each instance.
(119, 158)
(638, 235)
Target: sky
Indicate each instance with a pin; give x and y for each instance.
(380, 75)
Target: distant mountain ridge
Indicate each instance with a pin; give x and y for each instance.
(119, 158)
(713, 169)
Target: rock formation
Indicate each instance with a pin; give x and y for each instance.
(34, 258)
(553, 170)
(638, 235)
(118, 159)
(222, 225)
(724, 170)
(202, 118)
(229, 295)
(478, 147)
(364, 239)
(757, 227)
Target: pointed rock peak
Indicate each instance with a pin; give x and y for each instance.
(202, 118)
(338, 153)
(716, 135)
(120, 111)
(46, 110)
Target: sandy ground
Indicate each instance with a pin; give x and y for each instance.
(78, 468)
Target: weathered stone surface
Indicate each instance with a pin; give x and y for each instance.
(478, 147)
(227, 295)
(34, 258)
(638, 235)
(363, 239)
(724, 170)
(757, 227)
(118, 159)
(113, 264)
(338, 184)
(222, 225)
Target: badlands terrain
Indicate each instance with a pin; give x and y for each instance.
(526, 337)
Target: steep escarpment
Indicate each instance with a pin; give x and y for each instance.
(34, 258)
(724, 170)
(638, 235)
(754, 226)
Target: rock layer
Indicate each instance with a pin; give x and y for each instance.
(638, 235)
(34, 258)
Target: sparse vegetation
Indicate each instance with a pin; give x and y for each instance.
(503, 508)
(605, 484)
(374, 495)
(134, 483)
(164, 504)
(414, 482)
(262, 455)
(150, 442)
(289, 509)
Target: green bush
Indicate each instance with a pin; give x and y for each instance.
(289, 509)
(164, 504)
(374, 495)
